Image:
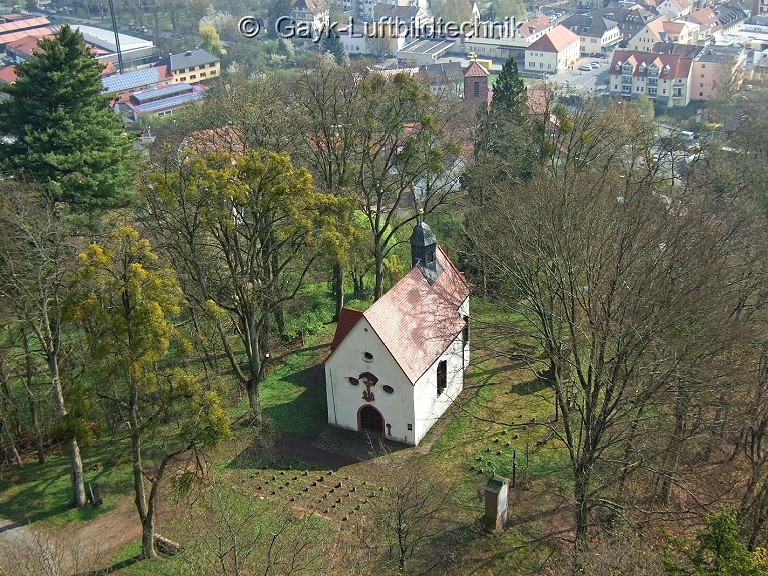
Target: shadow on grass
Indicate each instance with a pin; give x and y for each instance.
(114, 568)
(327, 448)
(530, 387)
(306, 412)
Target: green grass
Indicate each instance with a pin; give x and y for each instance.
(38, 492)
(292, 394)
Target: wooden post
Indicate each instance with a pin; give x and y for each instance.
(514, 467)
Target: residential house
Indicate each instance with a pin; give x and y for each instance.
(192, 66)
(16, 35)
(503, 43)
(8, 74)
(310, 17)
(160, 100)
(372, 38)
(717, 69)
(732, 17)
(664, 78)
(629, 20)
(554, 52)
(21, 50)
(664, 30)
(402, 17)
(708, 22)
(227, 138)
(365, 9)
(445, 78)
(673, 9)
(597, 35)
(395, 368)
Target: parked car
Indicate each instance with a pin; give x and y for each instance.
(585, 68)
(595, 65)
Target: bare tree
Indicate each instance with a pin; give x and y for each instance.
(404, 157)
(37, 256)
(624, 295)
(233, 535)
(405, 521)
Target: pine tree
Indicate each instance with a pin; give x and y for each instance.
(64, 134)
(509, 94)
(332, 44)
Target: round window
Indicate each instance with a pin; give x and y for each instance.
(367, 356)
(353, 381)
(388, 389)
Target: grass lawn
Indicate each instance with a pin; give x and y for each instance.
(37, 492)
(503, 411)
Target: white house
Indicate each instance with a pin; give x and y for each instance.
(597, 35)
(500, 41)
(310, 17)
(664, 30)
(395, 368)
(554, 52)
(675, 8)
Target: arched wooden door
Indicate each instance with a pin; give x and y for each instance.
(370, 420)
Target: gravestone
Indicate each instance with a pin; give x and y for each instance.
(496, 502)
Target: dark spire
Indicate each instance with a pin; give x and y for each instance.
(423, 248)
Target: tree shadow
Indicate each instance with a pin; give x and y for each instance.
(533, 386)
(113, 568)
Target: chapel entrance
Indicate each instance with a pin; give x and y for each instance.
(371, 420)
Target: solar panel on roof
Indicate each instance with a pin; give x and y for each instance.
(170, 102)
(161, 91)
(130, 80)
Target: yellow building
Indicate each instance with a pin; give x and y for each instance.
(193, 66)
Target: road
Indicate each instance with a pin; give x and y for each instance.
(581, 80)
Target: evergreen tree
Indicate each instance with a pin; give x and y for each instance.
(64, 134)
(509, 94)
(332, 44)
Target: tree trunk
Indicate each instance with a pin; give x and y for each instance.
(672, 458)
(147, 522)
(254, 402)
(581, 517)
(10, 446)
(378, 290)
(14, 410)
(51, 342)
(31, 398)
(148, 537)
(338, 290)
(76, 464)
(255, 366)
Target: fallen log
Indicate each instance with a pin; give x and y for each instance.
(166, 546)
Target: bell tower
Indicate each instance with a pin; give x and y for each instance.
(423, 250)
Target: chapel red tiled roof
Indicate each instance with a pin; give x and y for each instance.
(417, 321)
